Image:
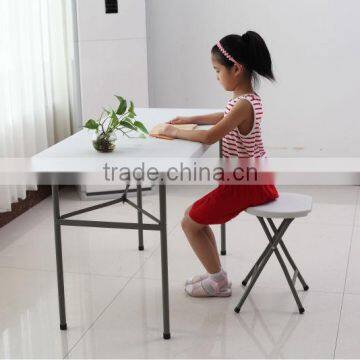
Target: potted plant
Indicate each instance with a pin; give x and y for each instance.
(110, 121)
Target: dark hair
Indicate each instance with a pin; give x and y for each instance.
(249, 50)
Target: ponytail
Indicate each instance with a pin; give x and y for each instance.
(259, 58)
(249, 50)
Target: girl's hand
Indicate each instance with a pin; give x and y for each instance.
(168, 130)
(181, 120)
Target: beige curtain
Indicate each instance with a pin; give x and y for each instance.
(36, 80)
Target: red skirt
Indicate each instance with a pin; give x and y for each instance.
(227, 201)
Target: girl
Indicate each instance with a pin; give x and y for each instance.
(237, 60)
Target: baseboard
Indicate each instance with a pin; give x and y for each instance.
(21, 206)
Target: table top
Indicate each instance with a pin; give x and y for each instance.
(79, 145)
(76, 155)
(75, 161)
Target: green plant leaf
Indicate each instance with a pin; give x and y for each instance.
(122, 106)
(120, 98)
(113, 114)
(128, 119)
(91, 124)
(127, 124)
(141, 126)
(132, 109)
(114, 121)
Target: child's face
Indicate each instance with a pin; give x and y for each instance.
(227, 78)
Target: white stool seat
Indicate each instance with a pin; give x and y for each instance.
(286, 206)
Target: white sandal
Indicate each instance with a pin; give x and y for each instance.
(198, 278)
(197, 290)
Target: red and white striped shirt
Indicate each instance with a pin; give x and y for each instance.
(251, 145)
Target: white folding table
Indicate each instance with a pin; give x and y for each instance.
(74, 161)
(75, 158)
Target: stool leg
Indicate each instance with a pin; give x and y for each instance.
(223, 239)
(284, 225)
(255, 276)
(248, 276)
(288, 256)
(292, 263)
(288, 278)
(283, 266)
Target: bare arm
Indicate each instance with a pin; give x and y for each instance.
(242, 111)
(210, 119)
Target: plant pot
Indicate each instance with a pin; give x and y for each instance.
(104, 142)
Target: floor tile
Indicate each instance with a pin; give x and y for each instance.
(348, 345)
(29, 317)
(111, 252)
(85, 250)
(357, 214)
(320, 252)
(115, 289)
(353, 279)
(268, 326)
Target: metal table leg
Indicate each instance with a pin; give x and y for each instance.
(222, 226)
(223, 239)
(60, 220)
(164, 260)
(59, 261)
(140, 216)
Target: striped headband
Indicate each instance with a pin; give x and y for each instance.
(226, 54)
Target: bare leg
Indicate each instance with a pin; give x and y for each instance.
(211, 236)
(202, 240)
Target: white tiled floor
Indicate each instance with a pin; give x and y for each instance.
(113, 291)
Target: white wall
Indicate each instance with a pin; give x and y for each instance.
(113, 54)
(311, 110)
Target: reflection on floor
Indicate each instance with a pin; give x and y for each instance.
(113, 291)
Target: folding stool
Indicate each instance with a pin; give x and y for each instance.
(287, 206)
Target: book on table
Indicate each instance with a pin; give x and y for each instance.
(156, 130)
